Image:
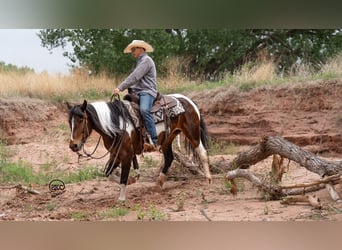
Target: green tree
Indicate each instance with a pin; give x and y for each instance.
(13, 68)
(211, 52)
(101, 50)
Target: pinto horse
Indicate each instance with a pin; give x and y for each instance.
(123, 139)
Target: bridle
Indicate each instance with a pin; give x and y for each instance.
(85, 134)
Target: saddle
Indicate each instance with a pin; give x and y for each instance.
(164, 107)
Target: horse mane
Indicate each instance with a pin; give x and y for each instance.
(117, 110)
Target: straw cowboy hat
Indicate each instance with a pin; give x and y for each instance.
(138, 43)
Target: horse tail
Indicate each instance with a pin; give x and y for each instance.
(204, 134)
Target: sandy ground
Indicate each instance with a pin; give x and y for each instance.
(38, 134)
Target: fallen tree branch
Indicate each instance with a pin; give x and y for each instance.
(334, 178)
(274, 191)
(22, 187)
(273, 145)
(193, 167)
(332, 192)
(276, 145)
(313, 200)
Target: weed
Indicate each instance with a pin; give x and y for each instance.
(79, 215)
(149, 162)
(51, 206)
(155, 214)
(152, 213)
(114, 213)
(63, 127)
(180, 201)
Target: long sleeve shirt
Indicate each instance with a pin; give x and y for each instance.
(143, 78)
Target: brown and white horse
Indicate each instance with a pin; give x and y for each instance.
(123, 139)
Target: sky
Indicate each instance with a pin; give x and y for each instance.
(22, 47)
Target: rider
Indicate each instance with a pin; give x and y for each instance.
(142, 82)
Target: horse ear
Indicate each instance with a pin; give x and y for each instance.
(84, 105)
(69, 105)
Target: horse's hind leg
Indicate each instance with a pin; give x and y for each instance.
(203, 155)
(168, 157)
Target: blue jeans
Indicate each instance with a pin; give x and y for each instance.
(146, 101)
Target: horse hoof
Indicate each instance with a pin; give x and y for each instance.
(122, 202)
(159, 185)
(132, 180)
(161, 180)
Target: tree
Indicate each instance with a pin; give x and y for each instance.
(101, 50)
(212, 52)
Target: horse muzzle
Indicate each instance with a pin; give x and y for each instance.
(75, 147)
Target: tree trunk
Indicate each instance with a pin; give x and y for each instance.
(276, 145)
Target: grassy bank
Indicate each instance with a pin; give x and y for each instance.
(79, 85)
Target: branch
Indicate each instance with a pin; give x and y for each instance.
(276, 145)
(22, 187)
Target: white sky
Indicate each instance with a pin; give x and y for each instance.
(22, 47)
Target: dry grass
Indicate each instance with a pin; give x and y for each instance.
(261, 72)
(45, 86)
(333, 66)
(173, 68)
(80, 85)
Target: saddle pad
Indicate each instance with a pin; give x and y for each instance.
(173, 108)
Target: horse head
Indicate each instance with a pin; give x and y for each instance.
(79, 126)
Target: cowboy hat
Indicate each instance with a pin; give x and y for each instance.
(138, 43)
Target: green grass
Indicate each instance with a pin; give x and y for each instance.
(149, 162)
(23, 173)
(113, 213)
(79, 215)
(151, 214)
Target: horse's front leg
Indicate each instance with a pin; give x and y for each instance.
(125, 168)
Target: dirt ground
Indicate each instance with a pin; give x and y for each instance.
(307, 114)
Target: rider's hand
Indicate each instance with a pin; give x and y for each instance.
(116, 91)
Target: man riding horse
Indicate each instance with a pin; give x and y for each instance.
(143, 83)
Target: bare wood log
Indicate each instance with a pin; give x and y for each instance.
(194, 168)
(313, 200)
(277, 168)
(273, 190)
(276, 145)
(332, 192)
(334, 179)
(22, 187)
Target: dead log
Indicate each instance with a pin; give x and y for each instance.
(22, 187)
(272, 145)
(274, 191)
(276, 145)
(332, 192)
(313, 200)
(193, 167)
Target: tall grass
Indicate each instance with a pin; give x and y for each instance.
(79, 85)
(55, 87)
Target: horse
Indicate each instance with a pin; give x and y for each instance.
(123, 138)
